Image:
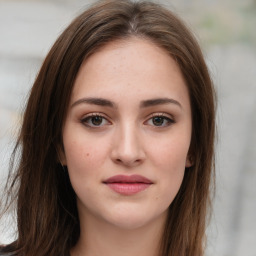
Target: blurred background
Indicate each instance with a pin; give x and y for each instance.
(226, 30)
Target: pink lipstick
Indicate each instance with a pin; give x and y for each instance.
(128, 185)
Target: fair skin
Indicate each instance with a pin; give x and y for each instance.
(129, 114)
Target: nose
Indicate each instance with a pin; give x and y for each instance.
(127, 147)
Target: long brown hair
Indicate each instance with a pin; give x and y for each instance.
(46, 207)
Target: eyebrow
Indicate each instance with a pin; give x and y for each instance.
(159, 101)
(143, 104)
(95, 101)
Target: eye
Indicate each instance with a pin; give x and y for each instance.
(160, 120)
(94, 120)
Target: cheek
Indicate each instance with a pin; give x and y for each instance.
(169, 159)
(171, 173)
(81, 158)
(171, 154)
(82, 163)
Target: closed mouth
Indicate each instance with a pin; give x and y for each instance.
(128, 179)
(128, 185)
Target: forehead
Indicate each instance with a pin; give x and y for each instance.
(131, 54)
(133, 67)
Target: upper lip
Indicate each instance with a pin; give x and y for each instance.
(128, 179)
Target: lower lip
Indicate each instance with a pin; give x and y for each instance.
(128, 188)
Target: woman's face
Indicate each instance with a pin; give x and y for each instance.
(127, 134)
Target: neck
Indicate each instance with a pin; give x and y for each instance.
(98, 238)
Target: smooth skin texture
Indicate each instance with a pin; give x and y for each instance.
(129, 114)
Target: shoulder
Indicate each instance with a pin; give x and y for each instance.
(5, 251)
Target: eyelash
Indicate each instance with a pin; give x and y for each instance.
(85, 120)
(168, 121)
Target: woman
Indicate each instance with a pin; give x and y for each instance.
(117, 140)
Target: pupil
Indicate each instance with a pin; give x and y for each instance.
(158, 120)
(96, 120)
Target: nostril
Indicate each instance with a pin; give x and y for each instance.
(128, 162)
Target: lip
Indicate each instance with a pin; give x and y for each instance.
(128, 185)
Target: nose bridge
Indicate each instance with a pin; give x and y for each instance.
(129, 138)
(128, 147)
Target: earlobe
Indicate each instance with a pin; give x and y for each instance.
(189, 161)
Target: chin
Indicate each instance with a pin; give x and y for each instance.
(129, 223)
(131, 220)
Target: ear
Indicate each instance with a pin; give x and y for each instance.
(189, 161)
(61, 155)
